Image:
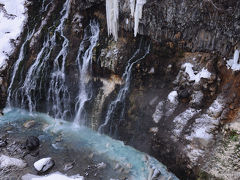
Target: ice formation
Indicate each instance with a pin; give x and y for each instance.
(138, 14)
(132, 6)
(112, 12)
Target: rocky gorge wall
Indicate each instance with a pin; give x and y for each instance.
(178, 119)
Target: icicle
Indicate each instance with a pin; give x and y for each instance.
(112, 17)
(132, 6)
(138, 14)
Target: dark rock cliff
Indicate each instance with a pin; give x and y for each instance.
(206, 25)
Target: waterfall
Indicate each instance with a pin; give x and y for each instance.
(16, 67)
(84, 69)
(27, 91)
(121, 97)
(58, 95)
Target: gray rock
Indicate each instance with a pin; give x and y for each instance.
(68, 166)
(32, 143)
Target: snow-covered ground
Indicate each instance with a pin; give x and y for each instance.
(12, 17)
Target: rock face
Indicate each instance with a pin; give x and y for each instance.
(206, 25)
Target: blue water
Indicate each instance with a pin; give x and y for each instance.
(140, 165)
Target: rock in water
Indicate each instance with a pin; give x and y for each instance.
(68, 166)
(32, 143)
(29, 124)
(44, 164)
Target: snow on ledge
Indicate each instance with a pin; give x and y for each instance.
(204, 73)
(11, 24)
(233, 63)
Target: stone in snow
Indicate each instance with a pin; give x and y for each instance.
(44, 164)
(6, 161)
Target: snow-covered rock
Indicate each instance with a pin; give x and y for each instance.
(44, 164)
(12, 19)
(6, 161)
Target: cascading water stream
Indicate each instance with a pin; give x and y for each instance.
(27, 91)
(84, 69)
(58, 95)
(16, 67)
(120, 99)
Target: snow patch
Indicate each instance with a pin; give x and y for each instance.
(182, 119)
(172, 97)
(205, 123)
(194, 76)
(197, 97)
(166, 107)
(233, 63)
(193, 153)
(158, 114)
(11, 23)
(53, 176)
(6, 161)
